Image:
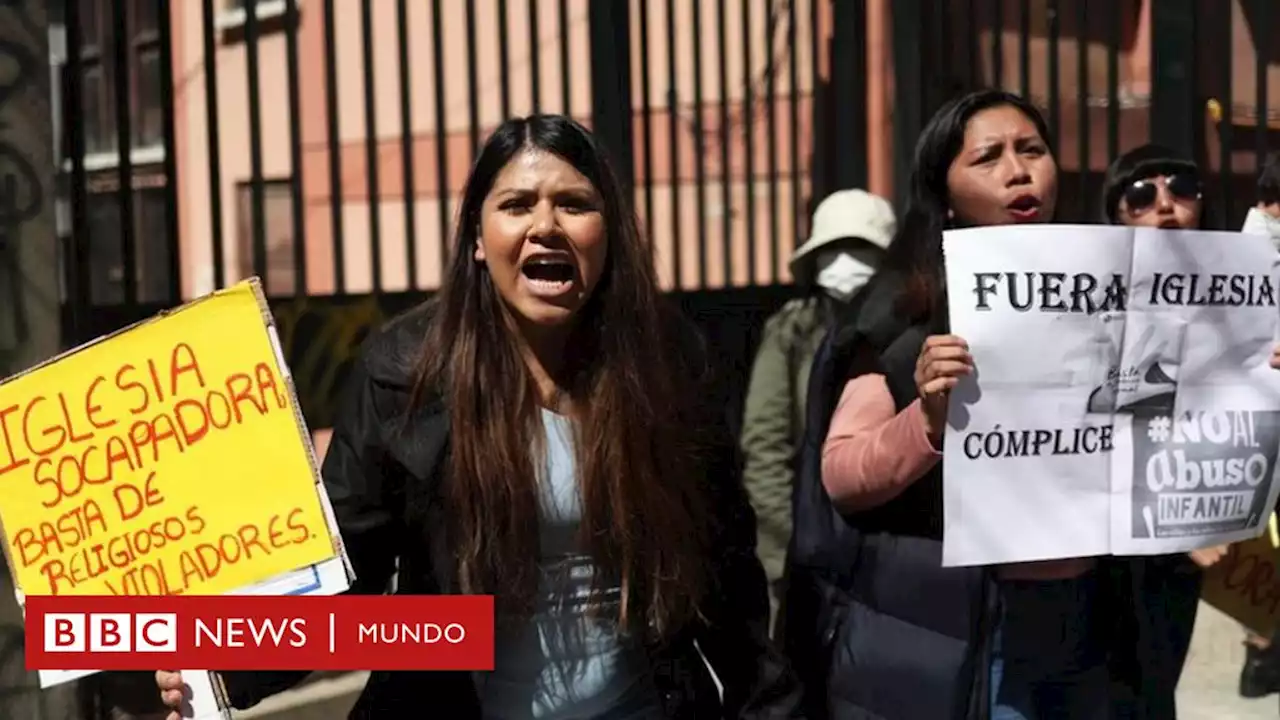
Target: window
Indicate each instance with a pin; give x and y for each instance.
(153, 247)
(277, 206)
(99, 110)
(98, 73)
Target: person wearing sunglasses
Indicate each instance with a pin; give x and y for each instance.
(1155, 186)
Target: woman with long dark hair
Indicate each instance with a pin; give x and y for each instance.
(544, 431)
(903, 637)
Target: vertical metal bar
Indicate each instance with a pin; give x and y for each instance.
(473, 82)
(909, 113)
(335, 147)
(1225, 131)
(646, 118)
(971, 50)
(797, 216)
(1024, 48)
(215, 144)
(371, 143)
(124, 147)
(770, 94)
(946, 29)
(1263, 10)
(174, 265)
(997, 42)
(1175, 113)
(609, 47)
(699, 146)
(726, 175)
(748, 133)
(504, 60)
(442, 133)
(565, 81)
(407, 147)
(259, 213)
(818, 175)
(1082, 108)
(79, 292)
(1113, 80)
(298, 200)
(673, 126)
(535, 58)
(848, 144)
(1055, 101)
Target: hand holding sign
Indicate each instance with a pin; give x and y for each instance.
(173, 691)
(943, 360)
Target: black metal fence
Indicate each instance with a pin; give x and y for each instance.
(321, 145)
(1109, 75)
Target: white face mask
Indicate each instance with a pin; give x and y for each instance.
(1258, 222)
(842, 272)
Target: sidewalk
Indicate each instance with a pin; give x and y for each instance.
(1209, 683)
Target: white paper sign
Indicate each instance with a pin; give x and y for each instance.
(1122, 401)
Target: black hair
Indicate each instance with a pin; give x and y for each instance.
(915, 255)
(1142, 162)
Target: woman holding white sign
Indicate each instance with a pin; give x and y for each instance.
(1019, 642)
(545, 432)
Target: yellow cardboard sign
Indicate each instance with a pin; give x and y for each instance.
(168, 458)
(1246, 583)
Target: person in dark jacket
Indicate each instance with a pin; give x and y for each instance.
(1156, 186)
(876, 627)
(850, 231)
(543, 432)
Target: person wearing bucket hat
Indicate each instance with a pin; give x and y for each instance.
(850, 232)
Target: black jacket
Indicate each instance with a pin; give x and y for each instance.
(877, 629)
(382, 472)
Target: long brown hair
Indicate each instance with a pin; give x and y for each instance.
(643, 520)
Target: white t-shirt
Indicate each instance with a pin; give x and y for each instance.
(563, 665)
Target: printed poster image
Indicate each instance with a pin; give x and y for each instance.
(1123, 401)
(1202, 473)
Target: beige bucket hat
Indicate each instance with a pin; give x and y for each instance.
(847, 214)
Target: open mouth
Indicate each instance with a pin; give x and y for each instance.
(1170, 224)
(548, 272)
(1025, 207)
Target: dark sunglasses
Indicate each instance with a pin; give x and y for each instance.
(1141, 194)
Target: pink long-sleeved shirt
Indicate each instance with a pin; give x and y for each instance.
(872, 453)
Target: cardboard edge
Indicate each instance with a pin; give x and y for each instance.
(304, 431)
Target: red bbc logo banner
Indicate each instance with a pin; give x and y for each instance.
(344, 632)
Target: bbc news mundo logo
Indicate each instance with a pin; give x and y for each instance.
(333, 633)
(110, 632)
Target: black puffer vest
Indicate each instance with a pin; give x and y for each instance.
(874, 625)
